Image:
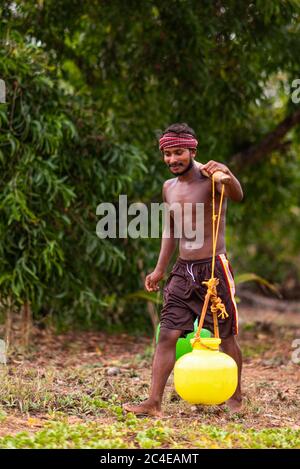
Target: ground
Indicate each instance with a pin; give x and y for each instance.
(67, 391)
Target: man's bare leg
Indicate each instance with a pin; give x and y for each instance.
(162, 365)
(231, 347)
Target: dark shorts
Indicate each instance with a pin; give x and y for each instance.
(184, 296)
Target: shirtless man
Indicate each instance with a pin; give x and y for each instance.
(184, 293)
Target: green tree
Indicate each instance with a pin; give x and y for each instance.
(89, 84)
(55, 171)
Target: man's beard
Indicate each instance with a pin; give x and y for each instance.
(189, 166)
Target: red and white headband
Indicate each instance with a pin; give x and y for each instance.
(172, 139)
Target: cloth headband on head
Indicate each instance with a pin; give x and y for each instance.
(171, 139)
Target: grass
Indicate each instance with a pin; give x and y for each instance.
(255, 350)
(60, 395)
(130, 432)
(29, 390)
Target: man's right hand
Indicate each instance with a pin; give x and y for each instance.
(151, 281)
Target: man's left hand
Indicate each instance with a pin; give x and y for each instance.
(212, 166)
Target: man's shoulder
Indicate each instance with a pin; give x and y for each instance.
(167, 186)
(169, 182)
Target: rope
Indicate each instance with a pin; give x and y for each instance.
(217, 306)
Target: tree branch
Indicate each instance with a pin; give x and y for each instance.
(271, 142)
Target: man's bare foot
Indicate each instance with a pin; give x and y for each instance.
(145, 408)
(234, 404)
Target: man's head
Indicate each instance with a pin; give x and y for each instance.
(178, 145)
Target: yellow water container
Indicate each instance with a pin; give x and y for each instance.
(205, 375)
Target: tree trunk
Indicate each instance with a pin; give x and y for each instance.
(151, 308)
(26, 324)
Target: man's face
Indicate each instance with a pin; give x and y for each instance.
(178, 159)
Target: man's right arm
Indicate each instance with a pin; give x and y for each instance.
(168, 246)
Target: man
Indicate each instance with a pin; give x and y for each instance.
(184, 292)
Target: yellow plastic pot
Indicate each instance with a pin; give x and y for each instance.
(205, 375)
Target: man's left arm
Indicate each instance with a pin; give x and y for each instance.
(233, 189)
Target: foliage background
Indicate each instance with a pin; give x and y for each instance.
(89, 84)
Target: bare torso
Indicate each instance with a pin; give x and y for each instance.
(198, 190)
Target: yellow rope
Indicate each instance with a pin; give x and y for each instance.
(216, 303)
